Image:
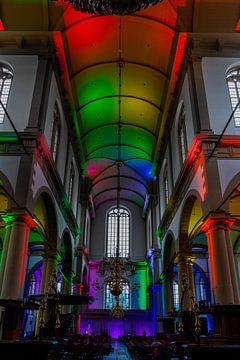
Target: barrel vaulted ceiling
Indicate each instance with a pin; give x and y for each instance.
(121, 72)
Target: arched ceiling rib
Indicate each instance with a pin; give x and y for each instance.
(119, 72)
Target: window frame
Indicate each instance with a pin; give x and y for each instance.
(126, 246)
(165, 185)
(176, 295)
(56, 129)
(71, 182)
(236, 85)
(182, 134)
(5, 69)
(108, 295)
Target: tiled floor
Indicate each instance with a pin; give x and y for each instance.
(120, 352)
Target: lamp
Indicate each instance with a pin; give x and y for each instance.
(111, 7)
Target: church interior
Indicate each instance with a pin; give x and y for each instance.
(119, 179)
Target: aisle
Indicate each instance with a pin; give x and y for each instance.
(120, 352)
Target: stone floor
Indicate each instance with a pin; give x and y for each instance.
(120, 352)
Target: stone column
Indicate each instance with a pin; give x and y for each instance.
(67, 282)
(13, 269)
(49, 266)
(222, 268)
(168, 293)
(77, 290)
(185, 262)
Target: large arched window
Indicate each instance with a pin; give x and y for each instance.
(55, 132)
(202, 290)
(6, 76)
(175, 295)
(182, 134)
(124, 298)
(165, 185)
(118, 217)
(233, 81)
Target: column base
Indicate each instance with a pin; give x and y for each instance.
(226, 320)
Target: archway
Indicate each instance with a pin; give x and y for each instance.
(190, 222)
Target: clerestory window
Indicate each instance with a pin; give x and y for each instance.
(6, 77)
(233, 82)
(118, 224)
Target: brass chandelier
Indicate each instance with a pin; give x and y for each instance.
(111, 7)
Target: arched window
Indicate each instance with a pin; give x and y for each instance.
(71, 183)
(175, 295)
(202, 289)
(6, 76)
(233, 81)
(182, 134)
(32, 285)
(34, 282)
(118, 217)
(55, 132)
(165, 185)
(124, 298)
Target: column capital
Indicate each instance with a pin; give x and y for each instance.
(17, 216)
(217, 220)
(183, 258)
(50, 253)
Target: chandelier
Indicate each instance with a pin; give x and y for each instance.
(111, 7)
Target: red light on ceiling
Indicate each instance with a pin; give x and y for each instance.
(1, 26)
(238, 26)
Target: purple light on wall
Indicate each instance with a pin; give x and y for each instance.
(119, 327)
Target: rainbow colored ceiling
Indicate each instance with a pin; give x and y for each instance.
(119, 69)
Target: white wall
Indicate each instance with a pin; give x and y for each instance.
(227, 170)
(218, 100)
(183, 99)
(21, 93)
(63, 141)
(9, 166)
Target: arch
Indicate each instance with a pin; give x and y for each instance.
(168, 252)
(232, 187)
(45, 216)
(66, 253)
(191, 216)
(33, 279)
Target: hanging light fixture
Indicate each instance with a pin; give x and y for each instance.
(111, 7)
